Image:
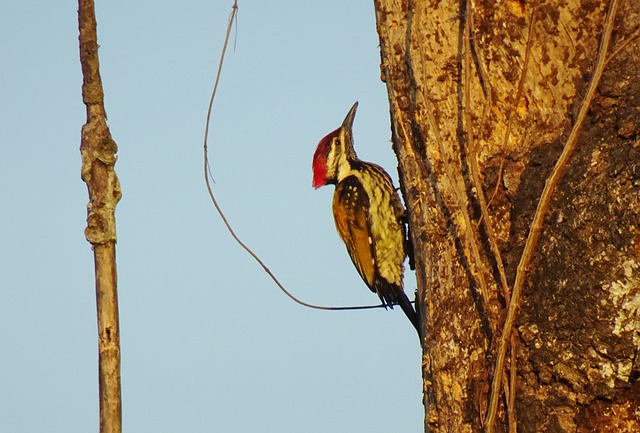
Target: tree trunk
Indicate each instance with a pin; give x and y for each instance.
(519, 162)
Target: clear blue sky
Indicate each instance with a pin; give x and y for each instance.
(208, 342)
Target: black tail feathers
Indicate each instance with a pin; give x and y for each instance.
(391, 294)
(406, 306)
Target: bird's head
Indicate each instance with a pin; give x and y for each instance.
(334, 154)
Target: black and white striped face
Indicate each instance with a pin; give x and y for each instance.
(334, 154)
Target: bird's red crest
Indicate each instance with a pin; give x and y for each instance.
(319, 164)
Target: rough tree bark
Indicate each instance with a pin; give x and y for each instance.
(484, 97)
(98, 152)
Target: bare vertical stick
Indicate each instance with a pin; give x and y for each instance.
(98, 152)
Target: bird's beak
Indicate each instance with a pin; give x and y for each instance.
(348, 121)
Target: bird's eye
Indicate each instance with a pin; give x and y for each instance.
(337, 142)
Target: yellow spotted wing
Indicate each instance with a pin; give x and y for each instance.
(350, 208)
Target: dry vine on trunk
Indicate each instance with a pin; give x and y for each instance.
(517, 131)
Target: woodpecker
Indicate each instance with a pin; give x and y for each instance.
(368, 215)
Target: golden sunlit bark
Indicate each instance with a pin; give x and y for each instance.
(517, 131)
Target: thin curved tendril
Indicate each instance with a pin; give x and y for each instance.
(207, 175)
